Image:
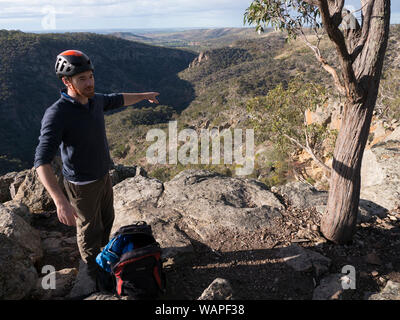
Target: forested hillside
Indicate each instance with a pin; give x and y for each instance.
(227, 79)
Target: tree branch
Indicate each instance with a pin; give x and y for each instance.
(325, 64)
(364, 32)
(310, 152)
(331, 25)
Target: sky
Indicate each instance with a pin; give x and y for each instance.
(45, 15)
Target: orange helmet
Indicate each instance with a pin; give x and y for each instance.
(71, 62)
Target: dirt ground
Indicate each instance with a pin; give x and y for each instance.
(252, 266)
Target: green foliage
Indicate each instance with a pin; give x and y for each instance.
(283, 15)
(388, 102)
(280, 116)
(147, 116)
(281, 112)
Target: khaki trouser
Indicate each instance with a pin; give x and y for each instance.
(93, 204)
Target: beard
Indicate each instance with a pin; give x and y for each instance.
(87, 92)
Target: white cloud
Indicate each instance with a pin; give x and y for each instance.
(135, 13)
(75, 14)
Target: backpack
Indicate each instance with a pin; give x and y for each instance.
(131, 263)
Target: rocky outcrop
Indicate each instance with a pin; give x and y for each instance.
(196, 203)
(201, 58)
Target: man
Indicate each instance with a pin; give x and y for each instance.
(75, 123)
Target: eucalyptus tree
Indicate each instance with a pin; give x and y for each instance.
(360, 47)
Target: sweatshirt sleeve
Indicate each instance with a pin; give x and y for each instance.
(50, 137)
(113, 101)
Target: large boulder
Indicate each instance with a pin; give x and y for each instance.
(19, 231)
(5, 182)
(197, 200)
(135, 199)
(380, 172)
(304, 196)
(18, 276)
(32, 192)
(9, 184)
(208, 201)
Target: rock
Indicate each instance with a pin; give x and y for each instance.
(219, 289)
(33, 194)
(208, 200)
(390, 292)
(191, 185)
(302, 260)
(20, 209)
(302, 195)
(119, 173)
(380, 174)
(137, 190)
(83, 285)
(18, 180)
(394, 136)
(163, 222)
(199, 199)
(5, 182)
(64, 281)
(17, 274)
(330, 288)
(9, 184)
(16, 229)
(366, 211)
(135, 199)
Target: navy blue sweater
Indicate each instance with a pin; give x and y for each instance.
(79, 131)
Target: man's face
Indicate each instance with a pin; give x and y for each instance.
(82, 84)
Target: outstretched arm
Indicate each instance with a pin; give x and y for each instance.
(132, 98)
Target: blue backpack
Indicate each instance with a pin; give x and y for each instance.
(112, 252)
(131, 263)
